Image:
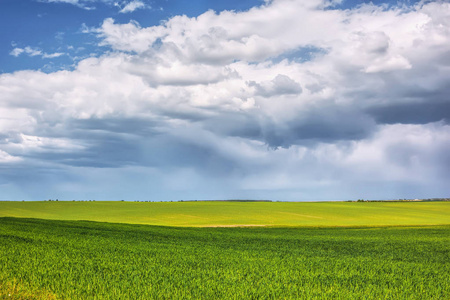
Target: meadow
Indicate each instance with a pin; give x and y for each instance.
(69, 259)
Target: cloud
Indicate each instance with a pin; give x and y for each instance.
(7, 158)
(132, 6)
(289, 100)
(34, 52)
(28, 50)
(125, 6)
(80, 3)
(74, 2)
(280, 85)
(127, 37)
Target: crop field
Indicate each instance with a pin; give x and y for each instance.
(49, 259)
(347, 252)
(236, 213)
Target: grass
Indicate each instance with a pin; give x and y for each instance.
(11, 289)
(236, 213)
(331, 250)
(49, 259)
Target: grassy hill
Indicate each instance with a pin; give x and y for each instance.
(226, 213)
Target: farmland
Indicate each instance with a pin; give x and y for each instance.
(48, 258)
(222, 213)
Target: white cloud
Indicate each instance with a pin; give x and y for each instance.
(125, 6)
(16, 52)
(221, 98)
(52, 55)
(27, 50)
(132, 6)
(80, 3)
(24, 145)
(34, 52)
(128, 37)
(6, 158)
(74, 2)
(388, 64)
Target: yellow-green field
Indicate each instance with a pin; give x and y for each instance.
(223, 213)
(321, 250)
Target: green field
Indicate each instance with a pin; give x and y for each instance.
(236, 213)
(87, 260)
(311, 251)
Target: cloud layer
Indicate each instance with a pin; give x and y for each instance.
(292, 100)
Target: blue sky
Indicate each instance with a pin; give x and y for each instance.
(166, 100)
(55, 26)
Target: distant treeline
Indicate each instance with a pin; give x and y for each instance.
(232, 200)
(403, 200)
(248, 200)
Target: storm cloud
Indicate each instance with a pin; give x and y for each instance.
(224, 105)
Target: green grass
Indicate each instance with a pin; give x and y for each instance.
(49, 259)
(237, 213)
(330, 250)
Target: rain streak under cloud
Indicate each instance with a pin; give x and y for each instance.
(285, 100)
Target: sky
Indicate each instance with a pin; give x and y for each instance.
(288, 100)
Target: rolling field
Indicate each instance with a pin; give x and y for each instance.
(200, 214)
(333, 250)
(48, 259)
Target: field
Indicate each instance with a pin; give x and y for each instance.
(68, 259)
(236, 213)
